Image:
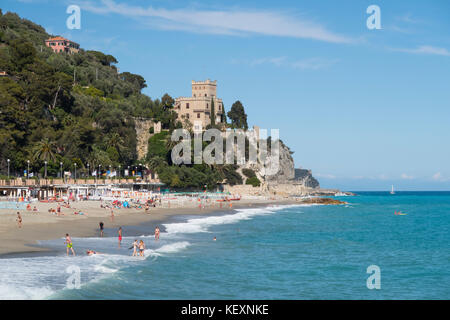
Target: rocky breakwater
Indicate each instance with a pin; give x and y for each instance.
(324, 201)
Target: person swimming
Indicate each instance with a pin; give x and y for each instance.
(157, 232)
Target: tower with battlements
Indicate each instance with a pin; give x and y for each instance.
(197, 108)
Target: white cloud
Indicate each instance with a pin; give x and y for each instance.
(310, 63)
(230, 22)
(313, 63)
(404, 176)
(426, 50)
(439, 177)
(279, 61)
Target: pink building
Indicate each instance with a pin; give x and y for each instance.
(60, 44)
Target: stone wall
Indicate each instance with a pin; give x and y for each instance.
(142, 127)
(244, 190)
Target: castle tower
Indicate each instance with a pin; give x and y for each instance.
(206, 88)
(197, 109)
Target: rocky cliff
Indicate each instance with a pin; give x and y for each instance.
(286, 174)
(306, 178)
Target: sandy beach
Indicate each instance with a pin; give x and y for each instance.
(44, 225)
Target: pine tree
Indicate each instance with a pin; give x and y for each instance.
(213, 113)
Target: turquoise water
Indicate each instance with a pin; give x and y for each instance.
(287, 252)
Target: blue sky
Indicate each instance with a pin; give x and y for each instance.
(362, 108)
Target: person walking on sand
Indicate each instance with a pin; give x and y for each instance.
(101, 228)
(112, 215)
(19, 220)
(69, 244)
(141, 248)
(58, 210)
(120, 236)
(157, 233)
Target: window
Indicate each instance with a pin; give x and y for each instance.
(206, 95)
(187, 115)
(220, 107)
(198, 115)
(207, 106)
(187, 105)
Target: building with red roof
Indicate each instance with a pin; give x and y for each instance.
(60, 44)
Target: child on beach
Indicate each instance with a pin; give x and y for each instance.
(69, 244)
(141, 248)
(19, 220)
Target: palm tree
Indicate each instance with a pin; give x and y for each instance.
(155, 163)
(44, 150)
(116, 141)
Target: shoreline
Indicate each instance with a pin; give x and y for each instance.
(43, 225)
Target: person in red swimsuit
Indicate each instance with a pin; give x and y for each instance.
(120, 236)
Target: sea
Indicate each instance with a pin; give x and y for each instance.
(360, 250)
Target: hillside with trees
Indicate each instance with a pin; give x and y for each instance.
(69, 108)
(77, 108)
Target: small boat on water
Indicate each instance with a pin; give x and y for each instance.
(392, 190)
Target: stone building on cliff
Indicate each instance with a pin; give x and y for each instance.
(197, 109)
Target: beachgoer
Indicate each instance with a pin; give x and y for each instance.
(214, 239)
(141, 248)
(35, 209)
(19, 220)
(58, 210)
(112, 215)
(157, 233)
(101, 228)
(69, 244)
(90, 252)
(120, 236)
(135, 247)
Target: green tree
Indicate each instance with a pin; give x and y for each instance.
(213, 113)
(44, 150)
(238, 116)
(167, 101)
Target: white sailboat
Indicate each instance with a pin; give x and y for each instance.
(392, 190)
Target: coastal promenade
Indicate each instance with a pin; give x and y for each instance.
(50, 188)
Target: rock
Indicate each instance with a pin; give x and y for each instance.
(306, 178)
(326, 201)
